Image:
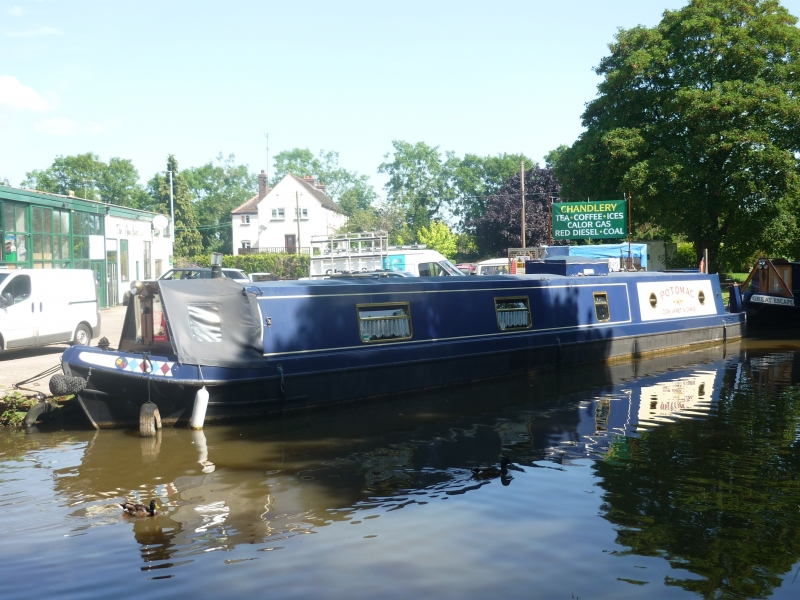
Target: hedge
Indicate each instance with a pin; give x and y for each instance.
(283, 266)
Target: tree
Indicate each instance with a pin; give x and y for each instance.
(419, 181)
(438, 237)
(351, 190)
(118, 183)
(697, 118)
(188, 241)
(78, 174)
(551, 158)
(217, 189)
(360, 196)
(88, 177)
(477, 178)
(378, 217)
(499, 228)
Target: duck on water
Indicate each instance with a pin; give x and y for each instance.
(134, 509)
(277, 346)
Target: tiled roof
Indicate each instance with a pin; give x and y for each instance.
(320, 196)
(249, 207)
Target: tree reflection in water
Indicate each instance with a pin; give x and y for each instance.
(717, 497)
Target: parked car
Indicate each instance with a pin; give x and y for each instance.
(204, 273)
(256, 277)
(493, 266)
(53, 306)
(466, 268)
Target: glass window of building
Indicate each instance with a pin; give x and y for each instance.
(147, 260)
(123, 260)
(15, 237)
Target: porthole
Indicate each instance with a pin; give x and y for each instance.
(601, 308)
(701, 297)
(653, 300)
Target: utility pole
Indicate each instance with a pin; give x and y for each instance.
(171, 206)
(522, 184)
(630, 257)
(297, 202)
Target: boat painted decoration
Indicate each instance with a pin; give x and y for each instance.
(276, 346)
(770, 294)
(675, 299)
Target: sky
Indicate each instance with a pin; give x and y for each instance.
(144, 79)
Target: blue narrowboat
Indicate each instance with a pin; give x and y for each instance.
(771, 293)
(277, 346)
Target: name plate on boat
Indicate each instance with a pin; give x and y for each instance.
(675, 299)
(772, 300)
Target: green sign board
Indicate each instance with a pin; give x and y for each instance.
(604, 219)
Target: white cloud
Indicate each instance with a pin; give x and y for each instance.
(33, 32)
(15, 11)
(17, 95)
(57, 126)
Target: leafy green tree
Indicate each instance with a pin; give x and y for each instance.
(359, 197)
(85, 174)
(218, 188)
(697, 117)
(351, 190)
(551, 158)
(78, 174)
(378, 217)
(118, 183)
(419, 181)
(477, 178)
(298, 161)
(4, 181)
(188, 241)
(438, 237)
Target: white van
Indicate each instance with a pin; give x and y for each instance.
(39, 307)
(493, 266)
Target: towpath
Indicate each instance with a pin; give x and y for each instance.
(18, 365)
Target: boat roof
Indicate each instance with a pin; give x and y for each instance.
(365, 285)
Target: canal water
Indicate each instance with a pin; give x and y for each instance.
(671, 477)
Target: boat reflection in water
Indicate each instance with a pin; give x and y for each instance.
(671, 447)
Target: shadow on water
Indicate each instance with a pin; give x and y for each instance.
(268, 481)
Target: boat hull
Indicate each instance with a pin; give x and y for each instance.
(114, 399)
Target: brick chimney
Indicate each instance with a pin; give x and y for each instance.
(322, 188)
(309, 179)
(262, 184)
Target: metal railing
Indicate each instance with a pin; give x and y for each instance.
(275, 250)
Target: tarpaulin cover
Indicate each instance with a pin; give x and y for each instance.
(213, 322)
(602, 251)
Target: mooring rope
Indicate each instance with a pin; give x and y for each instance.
(43, 374)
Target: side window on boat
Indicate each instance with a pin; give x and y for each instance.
(601, 308)
(513, 313)
(205, 324)
(384, 322)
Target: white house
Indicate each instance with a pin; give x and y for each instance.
(269, 221)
